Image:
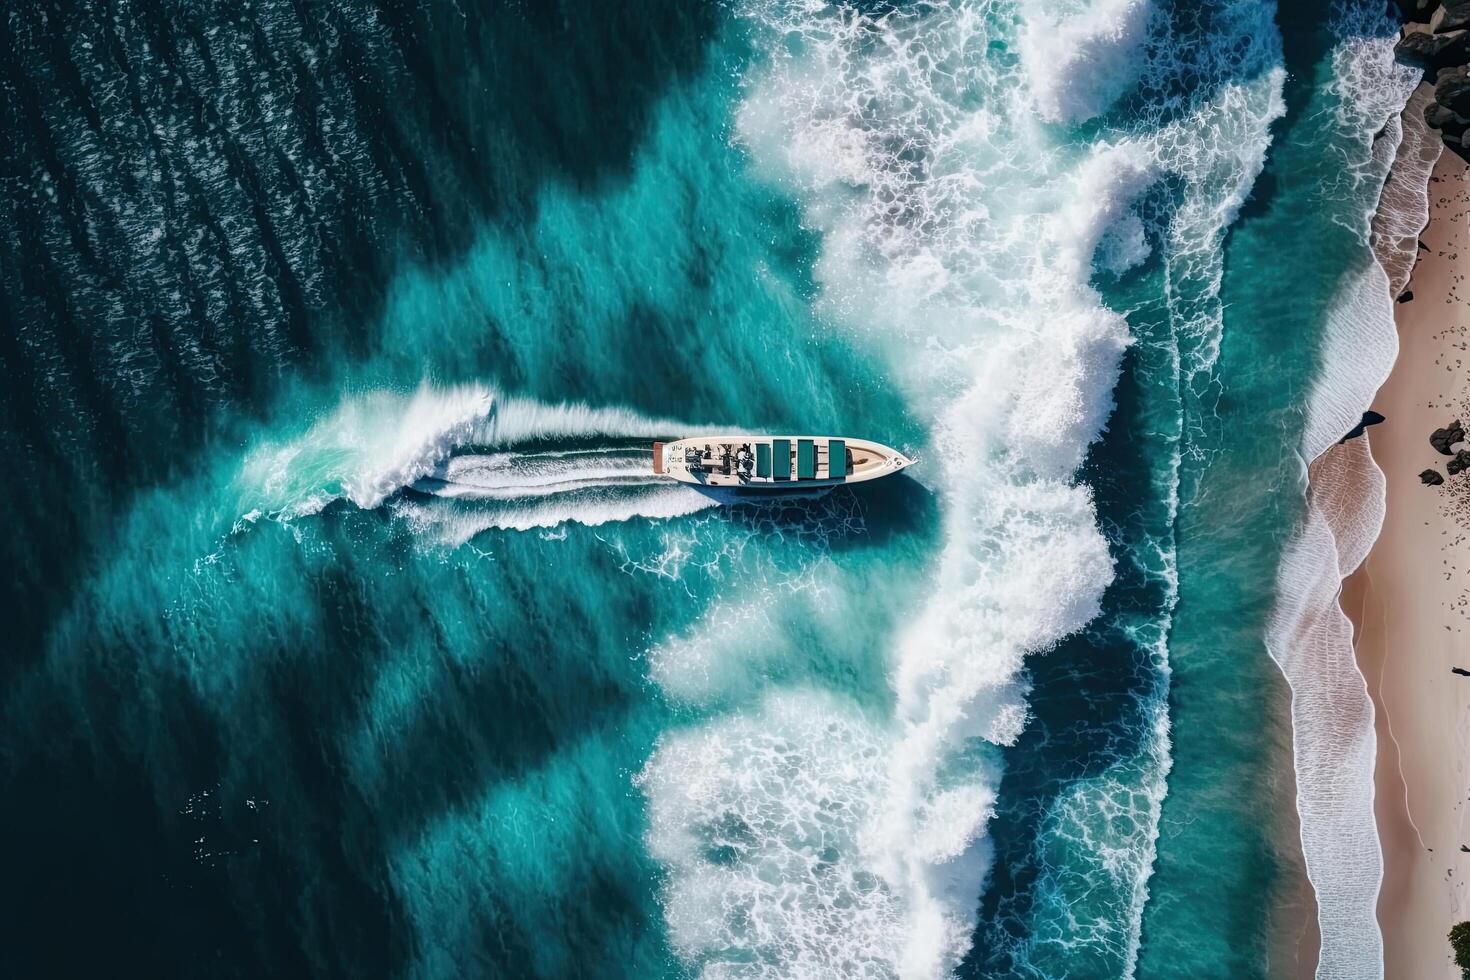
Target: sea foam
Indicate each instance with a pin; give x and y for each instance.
(1080, 60)
(759, 820)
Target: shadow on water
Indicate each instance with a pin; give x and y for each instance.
(499, 678)
(545, 673)
(893, 507)
(889, 507)
(129, 841)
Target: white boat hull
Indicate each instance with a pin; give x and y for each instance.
(750, 462)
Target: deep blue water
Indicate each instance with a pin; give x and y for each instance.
(348, 633)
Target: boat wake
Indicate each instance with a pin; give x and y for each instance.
(455, 461)
(512, 475)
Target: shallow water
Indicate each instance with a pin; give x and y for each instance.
(353, 637)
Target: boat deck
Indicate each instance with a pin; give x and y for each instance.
(774, 462)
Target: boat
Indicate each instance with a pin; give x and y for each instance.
(749, 462)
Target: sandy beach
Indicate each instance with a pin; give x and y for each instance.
(1408, 604)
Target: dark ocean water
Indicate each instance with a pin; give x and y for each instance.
(347, 634)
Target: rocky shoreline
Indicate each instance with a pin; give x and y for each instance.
(1436, 39)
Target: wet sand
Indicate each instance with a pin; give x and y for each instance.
(1410, 604)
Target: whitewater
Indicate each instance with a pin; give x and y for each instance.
(1309, 635)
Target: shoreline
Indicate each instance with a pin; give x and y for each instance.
(1400, 598)
(1333, 925)
(1331, 832)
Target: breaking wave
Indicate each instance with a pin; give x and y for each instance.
(770, 878)
(1079, 61)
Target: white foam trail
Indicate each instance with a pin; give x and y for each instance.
(457, 491)
(511, 476)
(375, 444)
(450, 524)
(370, 446)
(1308, 635)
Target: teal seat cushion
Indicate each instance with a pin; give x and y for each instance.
(837, 459)
(762, 459)
(781, 459)
(806, 459)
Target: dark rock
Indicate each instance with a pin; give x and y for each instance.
(1420, 10)
(1459, 464)
(1457, 145)
(1431, 478)
(1443, 117)
(1369, 418)
(1407, 296)
(1443, 439)
(1432, 51)
(1452, 15)
(1463, 673)
(1454, 142)
(1453, 92)
(1422, 246)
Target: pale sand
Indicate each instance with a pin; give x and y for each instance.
(1408, 603)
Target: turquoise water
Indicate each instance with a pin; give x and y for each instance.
(353, 635)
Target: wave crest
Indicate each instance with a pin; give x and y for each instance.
(1079, 64)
